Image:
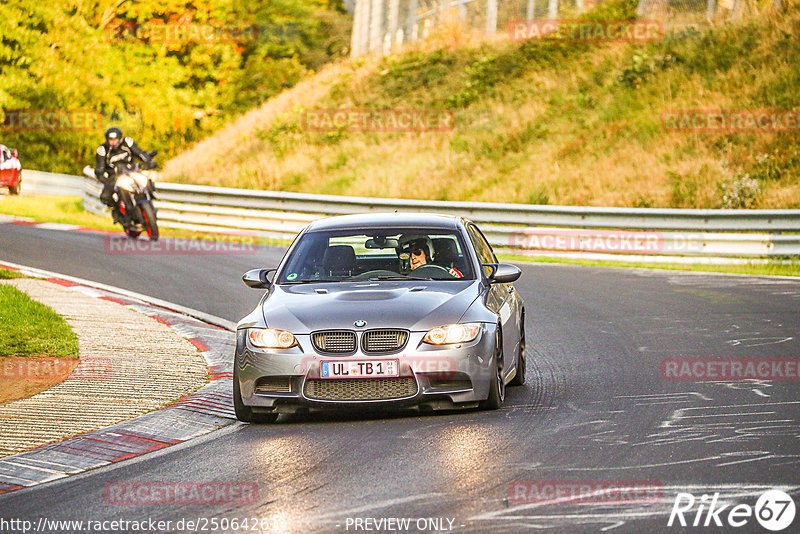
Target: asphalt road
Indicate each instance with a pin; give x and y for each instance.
(596, 412)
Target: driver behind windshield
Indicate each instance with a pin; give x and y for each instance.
(417, 250)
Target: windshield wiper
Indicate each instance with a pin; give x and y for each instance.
(372, 279)
(399, 277)
(321, 280)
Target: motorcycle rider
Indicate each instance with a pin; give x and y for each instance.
(116, 154)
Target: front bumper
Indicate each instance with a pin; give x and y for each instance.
(434, 377)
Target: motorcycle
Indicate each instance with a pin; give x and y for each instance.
(133, 193)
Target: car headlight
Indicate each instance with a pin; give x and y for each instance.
(453, 333)
(269, 338)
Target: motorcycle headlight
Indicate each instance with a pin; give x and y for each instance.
(269, 338)
(126, 183)
(453, 333)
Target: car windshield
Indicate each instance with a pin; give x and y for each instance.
(390, 254)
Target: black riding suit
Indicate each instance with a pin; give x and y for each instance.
(109, 161)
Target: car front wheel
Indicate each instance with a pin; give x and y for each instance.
(245, 413)
(497, 387)
(519, 378)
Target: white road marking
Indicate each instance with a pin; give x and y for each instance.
(758, 342)
(379, 505)
(58, 226)
(618, 514)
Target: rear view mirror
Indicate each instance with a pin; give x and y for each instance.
(503, 273)
(381, 242)
(257, 278)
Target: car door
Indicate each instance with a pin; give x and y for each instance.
(499, 298)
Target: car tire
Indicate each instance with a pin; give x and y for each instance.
(519, 378)
(16, 189)
(497, 388)
(245, 413)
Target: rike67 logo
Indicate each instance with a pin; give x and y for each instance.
(774, 510)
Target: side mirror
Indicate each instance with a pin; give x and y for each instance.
(257, 278)
(503, 273)
(14, 153)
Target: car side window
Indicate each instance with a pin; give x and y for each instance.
(482, 247)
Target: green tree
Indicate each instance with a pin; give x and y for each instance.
(168, 72)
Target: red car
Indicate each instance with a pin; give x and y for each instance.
(10, 170)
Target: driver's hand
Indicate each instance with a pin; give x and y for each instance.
(455, 272)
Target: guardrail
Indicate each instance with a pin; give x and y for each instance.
(51, 183)
(646, 233)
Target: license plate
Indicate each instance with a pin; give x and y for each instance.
(359, 369)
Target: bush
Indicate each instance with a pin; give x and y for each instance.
(643, 66)
(739, 192)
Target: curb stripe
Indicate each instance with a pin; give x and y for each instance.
(98, 447)
(202, 347)
(5, 487)
(60, 282)
(112, 299)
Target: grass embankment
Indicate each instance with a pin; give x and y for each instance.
(6, 274)
(537, 122)
(54, 209)
(38, 349)
(32, 329)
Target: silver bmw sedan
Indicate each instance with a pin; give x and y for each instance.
(381, 311)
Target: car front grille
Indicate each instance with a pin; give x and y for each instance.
(383, 341)
(360, 389)
(334, 341)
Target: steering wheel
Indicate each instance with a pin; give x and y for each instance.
(430, 268)
(377, 272)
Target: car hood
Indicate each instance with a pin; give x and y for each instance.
(302, 309)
